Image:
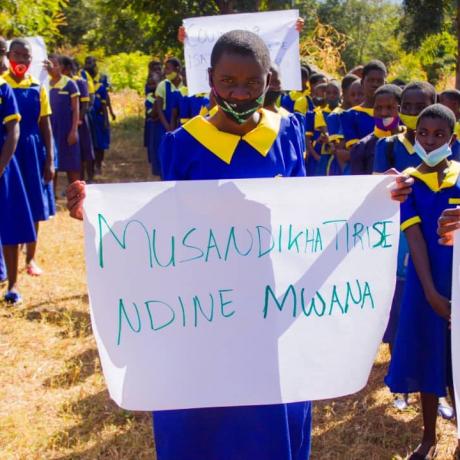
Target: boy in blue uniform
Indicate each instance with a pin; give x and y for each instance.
(421, 360)
(16, 222)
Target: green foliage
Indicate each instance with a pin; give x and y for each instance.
(423, 18)
(127, 70)
(370, 25)
(407, 68)
(438, 56)
(39, 17)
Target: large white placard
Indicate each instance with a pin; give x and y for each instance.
(455, 321)
(244, 292)
(276, 28)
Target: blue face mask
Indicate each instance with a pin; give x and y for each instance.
(434, 157)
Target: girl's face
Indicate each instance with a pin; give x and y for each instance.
(55, 70)
(355, 95)
(170, 68)
(238, 79)
(20, 54)
(332, 93)
(433, 133)
(385, 106)
(373, 81)
(452, 104)
(414, 101)
(275, 82)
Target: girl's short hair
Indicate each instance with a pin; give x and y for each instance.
(440, 112)
(424, 87)
(242, 43)
(391, 90)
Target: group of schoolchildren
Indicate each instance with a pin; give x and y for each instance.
(361, 125)
(247, 127)
(43, 131)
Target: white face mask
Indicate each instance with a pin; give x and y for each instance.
(435, 156)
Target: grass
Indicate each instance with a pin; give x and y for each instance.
(53, 399)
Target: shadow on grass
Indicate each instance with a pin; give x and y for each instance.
(73, 323)
(133, 437)
(77, 370)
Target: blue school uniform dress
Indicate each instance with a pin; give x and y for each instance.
(84, 131)
(357, 123)
(16, 221)
(329, 119)
(30, 154)
(335, 134)
(421, 359)
(297, 101)
(101, 131)
(197, 151)
(168, 93)
(61, 95)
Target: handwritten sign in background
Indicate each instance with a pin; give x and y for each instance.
(226, 293)
(276, 28)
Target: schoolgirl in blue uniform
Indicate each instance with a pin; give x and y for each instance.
(100, 125)
(153, 78)
(299, 101)
(239, 141)
(16, 222)
(358, 121)
(34, 152)
(65, 106)
(421, 360)
(166, 101)
(386, 113)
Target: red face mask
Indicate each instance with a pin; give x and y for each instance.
(19, 69)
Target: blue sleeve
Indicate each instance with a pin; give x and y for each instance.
(381, 163)
(350, 134)
(183, 106)
(309, 124)
(409, 213)
(334, 127)
(172, 158)
(8, 104)
(297, 141)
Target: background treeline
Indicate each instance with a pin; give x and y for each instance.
(416, 39)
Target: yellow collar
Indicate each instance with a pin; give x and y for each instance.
(223, 144)
(338, 110)
(430, 179)
(407, 145)
(283, 112)
(368, 110)
(294, 95)
(381, 133)
(60, 84)
(26, 82)
(183, 90)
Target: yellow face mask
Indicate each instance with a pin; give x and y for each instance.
(171, 76)
(409, 120)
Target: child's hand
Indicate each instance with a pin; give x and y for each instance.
(72, 138)
(447, 224)
(299, 24)
(402, 187)
(181, 34)
(440, 304)
(75, 197)
(48, 172)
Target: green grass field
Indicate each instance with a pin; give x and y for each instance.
(53, 399)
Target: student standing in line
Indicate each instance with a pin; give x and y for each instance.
(35, 150)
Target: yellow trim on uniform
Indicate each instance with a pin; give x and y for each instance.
(85, 99)
(329, 163)
(295, 94)
(335, 137)
(454, 200)
(60, 84)
(13, 116)
(183, 90)
(320, 121)
(223, 144)
(45, 106)
(381, 133)
(409, 222)
(368, 110)
(26, 82)
(351, 142)
(457, 130)
(301, 105)
(430, 179)
(283, 112)
(404, 141)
